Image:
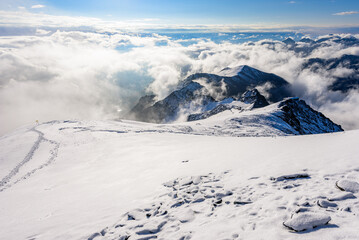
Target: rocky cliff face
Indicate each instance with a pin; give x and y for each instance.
(303, 119)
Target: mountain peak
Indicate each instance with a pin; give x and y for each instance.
(241, 69)
(289, 41)
(254, 97)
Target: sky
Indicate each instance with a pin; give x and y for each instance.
(273, 12)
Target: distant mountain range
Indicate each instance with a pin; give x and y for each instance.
(306, 46)
(343, 84)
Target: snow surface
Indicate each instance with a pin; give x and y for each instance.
(114, 179)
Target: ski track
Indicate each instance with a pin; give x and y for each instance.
(4, 183)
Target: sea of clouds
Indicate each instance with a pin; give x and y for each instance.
(47, 73)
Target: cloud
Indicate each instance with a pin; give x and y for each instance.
(345, 13)
(344, 111)
(38, 6)
(41, 20)
(292, 2)
(91, 73)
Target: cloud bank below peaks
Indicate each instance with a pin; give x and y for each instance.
(94, 75)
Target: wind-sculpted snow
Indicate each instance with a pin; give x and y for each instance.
(200, 207)
(120, 179)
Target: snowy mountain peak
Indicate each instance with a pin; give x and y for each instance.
(239, 70)
(289, 41)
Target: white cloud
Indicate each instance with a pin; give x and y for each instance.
(82, 74)
(345, 13)
(38, 6)
(41, 20)
(292, 2)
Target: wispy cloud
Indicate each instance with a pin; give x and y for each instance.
(292, 2)
(38, 6)
(346, 13)
(40, 20)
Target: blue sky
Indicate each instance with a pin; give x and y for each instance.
(298, 12)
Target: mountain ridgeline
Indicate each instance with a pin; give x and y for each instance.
(237, 90)
(201, 89)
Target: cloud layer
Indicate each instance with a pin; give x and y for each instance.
(345, 13)
(94, 75)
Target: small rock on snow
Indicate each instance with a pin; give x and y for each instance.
(348, 186)
(306, 221)
(325, 204)
(291, 177)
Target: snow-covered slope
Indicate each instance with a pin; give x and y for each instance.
(290, 116)
(107, 180)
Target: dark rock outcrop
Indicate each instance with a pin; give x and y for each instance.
(255, 98)
(303, 119)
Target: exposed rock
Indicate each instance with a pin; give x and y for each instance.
(291, 177)
(255, 98)
(305, 120)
